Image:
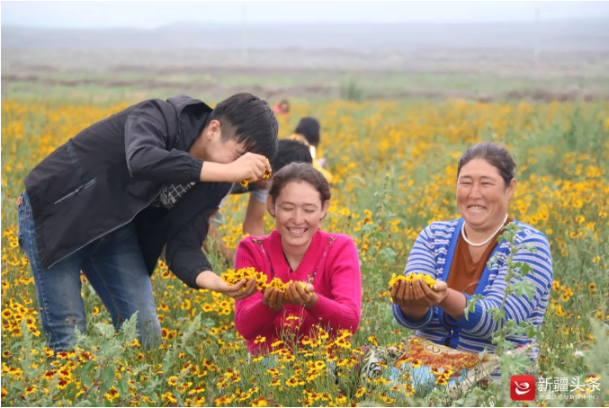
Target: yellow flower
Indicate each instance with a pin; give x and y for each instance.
(260, 402)
(411, 277)
(169, 398)
(112, 394)
(30, 389)
(185, 305)
(135, 343)
(224, 400)
(441, 381)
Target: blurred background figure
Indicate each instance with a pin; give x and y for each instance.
(308, 132)
(282, 108)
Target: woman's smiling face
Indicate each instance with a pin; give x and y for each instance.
(482, 196)
(298, 211)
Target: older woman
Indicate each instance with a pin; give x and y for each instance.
(456, 253)
(298, 250)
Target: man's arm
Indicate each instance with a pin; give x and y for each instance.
(254, 216)
(188, 262)
(185, 257)
(146, 136)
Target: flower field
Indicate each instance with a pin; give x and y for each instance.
(394, 167)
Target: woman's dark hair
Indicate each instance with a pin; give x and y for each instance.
(290, 151)
(299, 172)
(310, 129)
(495, 155)
(250, 121)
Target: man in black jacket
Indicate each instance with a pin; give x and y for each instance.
(111, 198)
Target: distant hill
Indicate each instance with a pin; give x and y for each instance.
(549, 36)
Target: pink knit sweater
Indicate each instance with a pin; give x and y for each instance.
(337, 282)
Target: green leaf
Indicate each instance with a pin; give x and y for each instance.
(106, 330)
(518, 363)
(525, 269)
(190, 351)
(524, 288)
(368, 228)
(209, 323)
(387, 255)
(107, 379)
(85, 379)
(124, 387)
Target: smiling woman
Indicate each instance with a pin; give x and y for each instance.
(299, 251)
(456, 253)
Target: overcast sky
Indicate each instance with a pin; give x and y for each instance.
(154, 14)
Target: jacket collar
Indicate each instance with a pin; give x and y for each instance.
(194, 115)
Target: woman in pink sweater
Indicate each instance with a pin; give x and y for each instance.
(297, 250)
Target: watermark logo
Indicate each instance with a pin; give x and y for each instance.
(569, 389)
(522, 387)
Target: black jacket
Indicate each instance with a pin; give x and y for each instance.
(110, 173)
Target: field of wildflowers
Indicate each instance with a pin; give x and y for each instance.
(394, 167)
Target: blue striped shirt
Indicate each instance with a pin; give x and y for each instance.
(429, 255)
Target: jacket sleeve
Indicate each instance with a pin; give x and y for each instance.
(252, 316)
(185, 257)
(146, 141)
(481, 323)
(342, 309)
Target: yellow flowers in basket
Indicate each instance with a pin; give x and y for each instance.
(411, 277)
(234, 276)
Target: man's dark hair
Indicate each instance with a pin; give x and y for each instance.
(310, 129)
(493, 154)
(249, 120)
(290, 151)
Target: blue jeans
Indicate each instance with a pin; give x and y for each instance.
(113, 265)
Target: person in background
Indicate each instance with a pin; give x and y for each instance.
(288, 151)
(308, 131)
(282, 108)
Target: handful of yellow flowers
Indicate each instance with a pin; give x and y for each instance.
(234, 276)
(411, 277)
(267, 175)
(278, 284)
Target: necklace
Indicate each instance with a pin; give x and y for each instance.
(486, 241)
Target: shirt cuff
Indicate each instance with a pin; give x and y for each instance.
(473, 318)
(399, 316)
(260, 195)
(197, 167)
